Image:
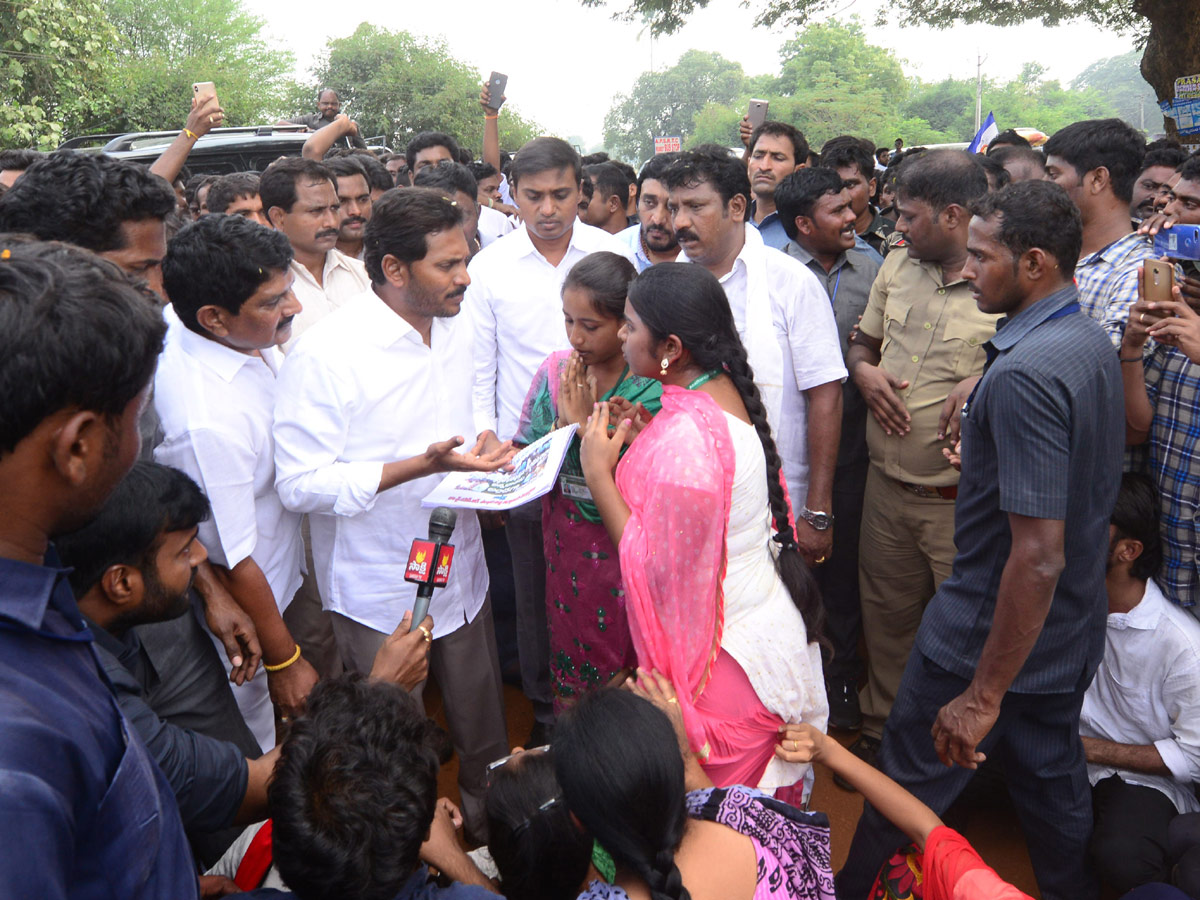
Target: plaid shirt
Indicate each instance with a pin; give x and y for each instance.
(1107, 282)
(1173, 386)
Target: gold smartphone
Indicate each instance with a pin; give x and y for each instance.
(202, 92)
(1158, 281)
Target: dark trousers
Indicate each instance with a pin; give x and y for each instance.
(1035, 739)
(524, 530)
(1129, 837)
(838, 576)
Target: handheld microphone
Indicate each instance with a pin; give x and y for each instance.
(429, 560)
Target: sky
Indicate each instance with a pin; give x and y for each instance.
(567, 62)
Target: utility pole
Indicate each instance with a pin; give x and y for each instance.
(979, 61)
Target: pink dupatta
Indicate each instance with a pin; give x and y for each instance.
(677, 479)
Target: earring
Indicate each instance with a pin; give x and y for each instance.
(665, 362)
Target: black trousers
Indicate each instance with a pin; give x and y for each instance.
(838, 576)
(524, 529)
(1129, 841)
(1035, 738)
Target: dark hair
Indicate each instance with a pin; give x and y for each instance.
(176, 221)
(993, 169)
(277, 185)
(606, 277)
(713, 164)
(846, 150)
(544, 154)
(627, 170)
(1005, 155)
(1035, 214)
(424, 141)
(378, 177)
(191, 187)
(540, 852)
(941, 178)
(150, 502)
(1189, 169)
(687, 300)
(799, 192)
(221, 260)
(228, 188)
(450, 177)
(400, 223)
(1110, 143)
(1136, 517)
(327, 90)
(346, 166)
(655, 168)
(353, 793)
(618, 761)
(587, 190)
(1007, 138)
(482, 170)
(83, 199)
(1163, 156)
(1164, 143)
(609, 181)
(594, 159)
(18, 160)
(800, 146)
(75, 331)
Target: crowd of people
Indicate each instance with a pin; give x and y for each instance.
(947, 509)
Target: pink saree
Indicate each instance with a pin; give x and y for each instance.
(676, 478)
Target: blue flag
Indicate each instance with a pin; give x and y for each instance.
(985, 135)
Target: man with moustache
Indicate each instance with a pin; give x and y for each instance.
(516, 305)
(230, 283)
(300, 198)
(354, 203)
(652, 240)
(776, 150)
(1012, 638)
(374, 406)
(818, 214)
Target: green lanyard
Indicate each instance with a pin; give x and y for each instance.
(703, 379)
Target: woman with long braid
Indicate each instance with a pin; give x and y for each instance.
(719, 598)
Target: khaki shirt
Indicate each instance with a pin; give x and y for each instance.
(933, 336)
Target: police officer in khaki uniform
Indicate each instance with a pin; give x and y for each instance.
(920, 337)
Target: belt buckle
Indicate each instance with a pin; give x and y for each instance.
(922, 490)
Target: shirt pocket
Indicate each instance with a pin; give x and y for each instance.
(895, 317)
(963, 340)
(129, 821)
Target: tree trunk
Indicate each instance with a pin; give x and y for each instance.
(1172, 50)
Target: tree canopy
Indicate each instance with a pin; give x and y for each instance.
(396, 85)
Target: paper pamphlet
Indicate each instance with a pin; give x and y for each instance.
(534, 472)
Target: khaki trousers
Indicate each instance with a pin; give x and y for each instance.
(905, 551)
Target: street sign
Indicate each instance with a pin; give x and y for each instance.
(1188, 87)
(668, 144)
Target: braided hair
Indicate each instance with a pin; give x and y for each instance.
(686, 300)
(618, 762)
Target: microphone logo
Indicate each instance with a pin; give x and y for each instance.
(420, 559)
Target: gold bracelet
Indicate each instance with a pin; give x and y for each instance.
(284, 665)
(191, 134)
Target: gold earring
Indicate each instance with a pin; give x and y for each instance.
(665, 362)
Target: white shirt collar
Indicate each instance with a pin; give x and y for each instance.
(224, 361)
(1144, 616)
(334, 259)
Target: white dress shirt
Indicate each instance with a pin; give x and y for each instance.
(344, 277)
(1147, 691)
(515, 302)
(785, 320)
(361, 390)
(493, 225)
(215, 407)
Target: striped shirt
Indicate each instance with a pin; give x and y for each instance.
(1107, 282)
(1173, 387)
(1042, 436)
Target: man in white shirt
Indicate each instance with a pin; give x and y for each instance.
(652, 240)
(783, 316)
(231, 287)
(373, 404)
(300, 198)
(516, 304)
(1141, 714)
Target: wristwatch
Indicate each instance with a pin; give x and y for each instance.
(821, 521)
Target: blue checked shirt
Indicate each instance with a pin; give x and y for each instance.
(1107, 282)
(1173, 386)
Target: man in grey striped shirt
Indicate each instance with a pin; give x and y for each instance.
(1012, 638)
